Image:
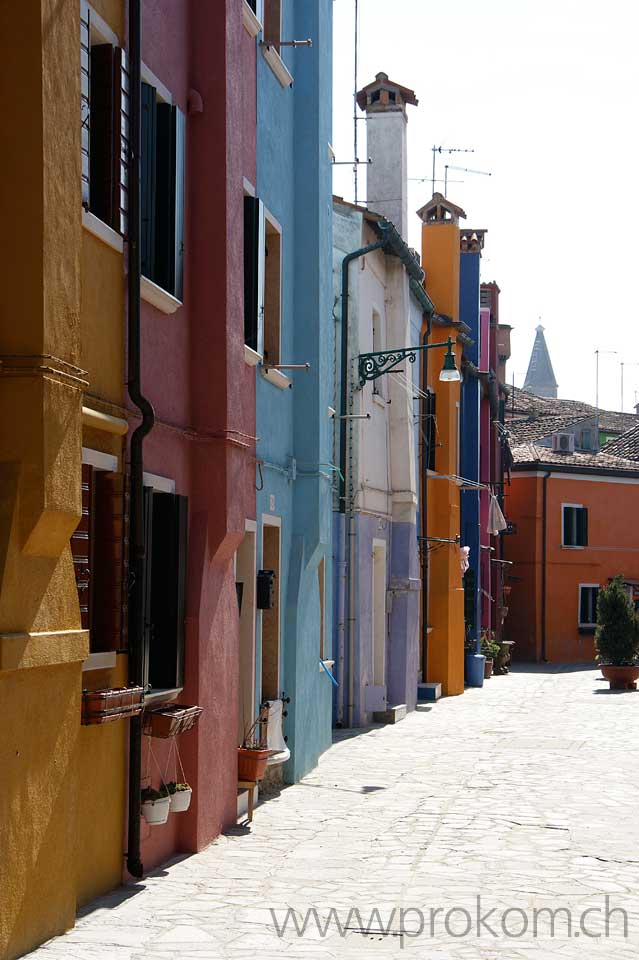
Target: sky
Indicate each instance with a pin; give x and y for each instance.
(546, 93)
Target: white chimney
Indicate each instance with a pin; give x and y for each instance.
(387, 175)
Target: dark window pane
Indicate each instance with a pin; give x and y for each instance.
(147, 180)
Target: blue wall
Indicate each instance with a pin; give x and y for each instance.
(294, 181)
(469, 314)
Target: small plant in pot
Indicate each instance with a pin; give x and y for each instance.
(617, 637)
(156, 805)
(180, 796)
(253, 755)
(490, 650)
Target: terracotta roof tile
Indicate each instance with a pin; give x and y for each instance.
(532, 454)
(625, 445)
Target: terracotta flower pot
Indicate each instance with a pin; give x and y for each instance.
(488, 669)
(251, 764)
(620, 678)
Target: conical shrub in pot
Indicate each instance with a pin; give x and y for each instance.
(617, 636)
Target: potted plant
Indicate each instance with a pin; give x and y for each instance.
(180, 796)
(252, 756)
(156, 805)
(473, 661)
(617, 637)
(490, 650)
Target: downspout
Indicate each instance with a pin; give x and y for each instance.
(424, 515)
(136, 532)
(348, 539)
(544, 538)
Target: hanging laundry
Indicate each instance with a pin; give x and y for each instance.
(496, 520)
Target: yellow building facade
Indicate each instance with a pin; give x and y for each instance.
(63, 796)
(440, 258)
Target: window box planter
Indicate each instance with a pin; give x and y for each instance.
(156, 805)
(251, 763)
(113, 703)
(170, 720)
(180, 795)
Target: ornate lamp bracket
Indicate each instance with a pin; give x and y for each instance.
(373, 365)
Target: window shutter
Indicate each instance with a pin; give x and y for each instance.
(109, 627)
(273, 22)
(102, 132)
(180, 177)
(121, 128)
(82, 548)
(583, 605)
(169, 229)
(145, 586)
(251, 270)
(566, 523)
(85, 98)
(431, 433)
(582, 527)
(168, 580)
(148, 175)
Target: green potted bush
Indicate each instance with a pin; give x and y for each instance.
(617, 637)
(180, 796)
(490, 650)
(156, 805)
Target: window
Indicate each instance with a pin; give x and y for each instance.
(254, 243)
(575, 525)
(165, 532)
(99, 559)
(321, 582)
(429, 431)
(162, 151)
(272, 292)
(588, 593)
(104, 100)
(273, 23)
(586, 440)
(262, 281)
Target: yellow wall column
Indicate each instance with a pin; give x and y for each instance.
(41, 643)
(440, 258)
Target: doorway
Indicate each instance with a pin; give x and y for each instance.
(271, 549)
(379, 613)
(245, 568)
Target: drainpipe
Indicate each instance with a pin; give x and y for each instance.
(544, 538)
(424, 517)
(136, 532)
(348, 538)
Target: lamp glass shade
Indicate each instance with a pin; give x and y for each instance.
(449, 373)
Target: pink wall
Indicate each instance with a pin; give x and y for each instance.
(203, 392)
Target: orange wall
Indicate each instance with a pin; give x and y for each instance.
(613, 548)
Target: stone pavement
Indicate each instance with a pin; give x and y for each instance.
(523, 793)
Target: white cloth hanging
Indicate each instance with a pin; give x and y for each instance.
(464, 559)
(496, 520)
(275, 735)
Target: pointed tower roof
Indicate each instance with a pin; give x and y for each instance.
(540, 378)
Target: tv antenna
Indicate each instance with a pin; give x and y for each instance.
(439, 150)
(449, 166)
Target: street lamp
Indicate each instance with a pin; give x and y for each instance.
(373, 365)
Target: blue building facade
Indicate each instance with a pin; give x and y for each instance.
(469, 281)
(294, 474)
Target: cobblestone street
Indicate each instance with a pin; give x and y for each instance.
(523, 793)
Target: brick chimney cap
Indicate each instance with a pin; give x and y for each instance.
(403, 95)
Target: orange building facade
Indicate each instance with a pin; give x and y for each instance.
(576, 526)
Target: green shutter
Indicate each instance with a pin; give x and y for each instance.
(582, 527)
(251, 270)
(148, 147)
(85, 99)
(169, 228)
